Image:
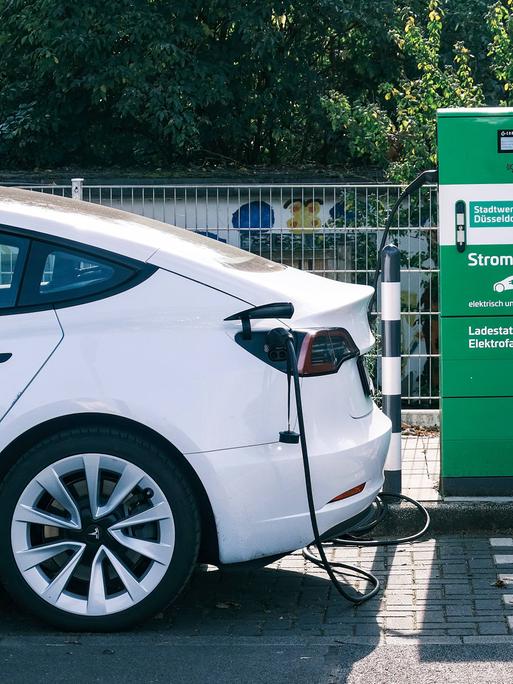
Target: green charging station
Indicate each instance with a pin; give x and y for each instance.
(475, 165)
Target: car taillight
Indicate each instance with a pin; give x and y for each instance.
(350, 492)
(323, 351)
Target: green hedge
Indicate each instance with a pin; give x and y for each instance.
(166, 82)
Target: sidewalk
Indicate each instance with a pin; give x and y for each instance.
(449, 590)
(421, 467)
(452, 589)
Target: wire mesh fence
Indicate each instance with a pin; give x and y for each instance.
(331, 230)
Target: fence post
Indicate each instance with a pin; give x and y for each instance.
(77, 188)
(391, 361)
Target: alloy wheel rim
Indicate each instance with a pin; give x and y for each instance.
(92, 534)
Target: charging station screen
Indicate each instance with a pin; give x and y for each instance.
(505, 140)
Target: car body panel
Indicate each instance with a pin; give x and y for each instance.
(317, 301)
(259, 492)
(31, 338)
(153, 354)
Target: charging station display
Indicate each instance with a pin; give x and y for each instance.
(476, 300)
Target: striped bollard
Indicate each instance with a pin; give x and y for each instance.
(391, 361)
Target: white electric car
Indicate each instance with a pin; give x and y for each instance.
(139, 430)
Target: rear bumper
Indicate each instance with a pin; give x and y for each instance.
(258, 493)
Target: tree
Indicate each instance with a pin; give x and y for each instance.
(500, 21)
(267, 82)
(436, 84)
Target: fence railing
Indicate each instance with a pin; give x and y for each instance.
(332, 230)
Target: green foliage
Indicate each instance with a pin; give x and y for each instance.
(500, 22)
(275, 82)
(436, 84)
(366, 127)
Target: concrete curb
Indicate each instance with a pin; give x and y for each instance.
(421, 417)
(452, 517)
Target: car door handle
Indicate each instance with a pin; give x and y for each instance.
(5, 357)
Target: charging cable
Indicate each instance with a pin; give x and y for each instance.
(281, 337)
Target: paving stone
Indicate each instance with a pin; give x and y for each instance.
(457, 611)
(463, 588)
(277, 625)
(488, 604)
(492, 628)
(503, 559)
(460, 625)
(480, 563)
(455, 569)
(215, 629)
(438, 589)
(308, 620)
(429, 627)
(337, 630)
(399, 623)
(501, 541)
(404, 602)
(492, 617)
(367, 630)
(428, 595)
(377, 620)
(430, 616)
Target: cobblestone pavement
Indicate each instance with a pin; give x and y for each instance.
(441, 590)
(444, 590)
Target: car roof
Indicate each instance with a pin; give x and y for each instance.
(119, 231)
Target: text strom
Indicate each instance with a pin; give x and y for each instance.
(475, 259)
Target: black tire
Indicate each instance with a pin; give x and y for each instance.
(159, 466)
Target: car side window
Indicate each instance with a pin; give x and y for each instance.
(67, 273)
(57, 274)
(13, 251)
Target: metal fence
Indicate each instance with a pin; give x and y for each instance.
(331, 230)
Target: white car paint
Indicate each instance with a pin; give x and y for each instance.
(34, 337)
(161, 354)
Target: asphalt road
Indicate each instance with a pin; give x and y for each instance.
(135, 658)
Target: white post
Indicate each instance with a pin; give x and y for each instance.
(77, 188)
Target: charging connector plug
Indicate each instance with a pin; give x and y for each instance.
(276, 345)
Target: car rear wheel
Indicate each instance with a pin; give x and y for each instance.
(101, 527)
